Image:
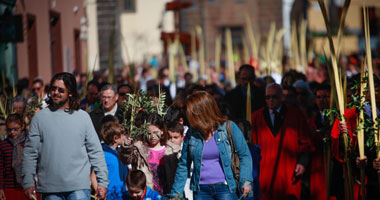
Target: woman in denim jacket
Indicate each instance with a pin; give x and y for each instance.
(208, 148)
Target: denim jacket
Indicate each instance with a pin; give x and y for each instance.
(192, 152)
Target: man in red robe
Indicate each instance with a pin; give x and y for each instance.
(284, 137)
(320, 129)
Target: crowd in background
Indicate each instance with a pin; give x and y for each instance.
(291, 108)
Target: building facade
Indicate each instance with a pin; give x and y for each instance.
(51, 42)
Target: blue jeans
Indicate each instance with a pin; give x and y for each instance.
(217, 191)
(73, 195)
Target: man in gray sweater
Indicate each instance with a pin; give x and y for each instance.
(62, 147)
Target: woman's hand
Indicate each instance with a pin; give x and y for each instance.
(245, 190)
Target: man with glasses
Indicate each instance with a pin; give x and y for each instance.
(109, 106)
(62, 148)
(282, 133)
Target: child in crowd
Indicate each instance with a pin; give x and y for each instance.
(154, 155)
(11, 150)
(137, 188)
(113, 135)
(255, 150)
(176, 133)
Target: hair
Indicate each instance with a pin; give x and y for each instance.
(15, 117)
(203, 112)
(322, 87)
(156, 120)
(290, 88)
(161, 72)
(71, 85)
(245, 128)
(109, 118)
(94, 83)
(109, 87)
(136, 178)
(109, 130)
(18, 99)
(176, 127)
(276, 86)
(124, 85)
(250, 68)
(38, 80)
(173, 115)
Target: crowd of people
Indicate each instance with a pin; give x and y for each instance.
(263, 139)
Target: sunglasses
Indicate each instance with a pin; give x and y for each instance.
(272, 97)
(60, 90)
(123, 94)
(9, 130)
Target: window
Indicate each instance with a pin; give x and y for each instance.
(129, 5)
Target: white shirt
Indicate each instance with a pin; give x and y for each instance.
(272, 116)
(112, 112)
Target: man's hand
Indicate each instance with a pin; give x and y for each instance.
(343, 127)
(2, 195)
(245, 190)
(30, 193)
(376, 164)
(299, 170)
(361, 162)
(101, 192)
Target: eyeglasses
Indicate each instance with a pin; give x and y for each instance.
(272, 97)
(105, 97)
(60, 90)
(9, 130)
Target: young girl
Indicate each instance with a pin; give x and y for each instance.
(154, 155)
(11, 158)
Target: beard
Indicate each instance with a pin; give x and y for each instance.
(60, 103)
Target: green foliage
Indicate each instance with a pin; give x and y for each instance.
(138, 105)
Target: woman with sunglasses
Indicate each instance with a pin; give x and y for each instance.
(11, 158)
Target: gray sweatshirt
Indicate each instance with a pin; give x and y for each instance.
(62, 148)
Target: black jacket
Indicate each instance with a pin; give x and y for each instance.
(98, 114)
(238, 100)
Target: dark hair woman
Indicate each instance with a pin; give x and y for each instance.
(208, 146)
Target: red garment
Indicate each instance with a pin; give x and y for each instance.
(295, 140)
(351, 116)
(14, 194)
(318, 190)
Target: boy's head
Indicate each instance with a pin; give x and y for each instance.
(176, 133)
(245, 128)
(112, 133)
(136, 184)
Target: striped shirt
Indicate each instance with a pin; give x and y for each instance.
(7, 174)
